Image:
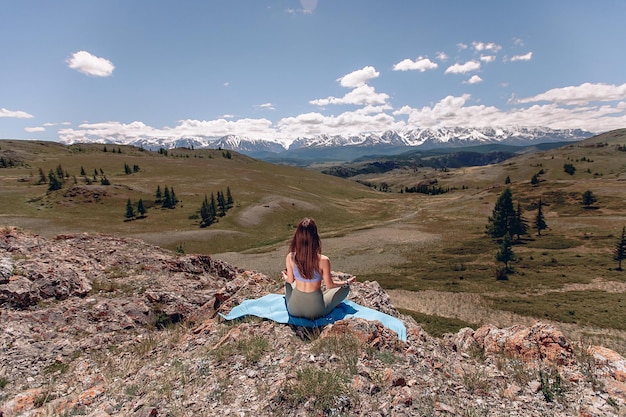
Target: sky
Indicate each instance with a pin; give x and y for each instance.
(281, 69)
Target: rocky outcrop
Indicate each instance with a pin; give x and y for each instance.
(102, 326)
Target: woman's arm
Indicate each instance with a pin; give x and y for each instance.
(328, 278)
(288, 272)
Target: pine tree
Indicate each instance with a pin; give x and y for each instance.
(589, 198)
(534, 180)
(167, 198)
(213, 207)
(173, 197)
(127, 170)
(520, 225)
(207, 213)
(42, 177)
(158, 196)
(141, 208)
(540, 222)
(60, 173)
(229, 199)
(54, 183)
(82, 171)
(507, 180)
(503, 215)
(620, 250)
(130, 211)
(505, 253)
(221, 203)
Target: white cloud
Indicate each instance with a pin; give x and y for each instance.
(475, 79)
(487, 58)
(461, 46)
(463, 68)
(268, 106)
(18, 114)
(442, 56)
(361, 96)
(482, 46)
(185, 128)
(526, 57)
(347, 123)
(420, 64)
(582, 94)
(358, 78)
(89, 64)
(308, 6)
(518, 42)
(454, 112)
(34, 129)
(228, 116)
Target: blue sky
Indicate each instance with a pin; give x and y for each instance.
(282, 69)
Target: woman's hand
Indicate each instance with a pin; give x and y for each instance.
(351, 280)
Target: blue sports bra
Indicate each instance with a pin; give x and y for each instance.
(317, 277)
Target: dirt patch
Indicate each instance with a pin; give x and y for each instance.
(170, 238)
(254, 215)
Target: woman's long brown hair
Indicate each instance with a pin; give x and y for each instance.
(306, 247)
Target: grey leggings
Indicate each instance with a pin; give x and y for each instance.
(313, 305)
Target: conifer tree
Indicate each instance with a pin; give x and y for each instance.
(158, 196)
(589, 198)
(520, 225)
(534, 180)
(229, 198)
(141, 208)
(167, 198)
(505, 253)
(127, 170)
(213, 206)
(82, 171)
(54, 183)
(507, 180)
(540, 222)
(221, 203)
(130, 210)
(620, 250)
(173, 198)
(207, 213)
(503, 215)
(204, 212)
(60, 173)
(42, 177)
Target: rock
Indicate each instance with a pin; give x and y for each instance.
(541, 342)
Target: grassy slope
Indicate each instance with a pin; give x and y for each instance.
(574, 253)
(269, 199)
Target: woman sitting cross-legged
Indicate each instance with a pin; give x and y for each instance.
(306, 268)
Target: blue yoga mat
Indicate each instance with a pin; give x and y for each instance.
(274, 307)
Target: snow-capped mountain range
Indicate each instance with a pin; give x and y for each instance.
(323, 147)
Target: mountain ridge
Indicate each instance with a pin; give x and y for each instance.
(350, 147)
